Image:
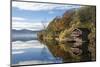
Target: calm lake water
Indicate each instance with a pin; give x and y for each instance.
(26, 49)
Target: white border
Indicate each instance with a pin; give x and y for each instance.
(5, 33)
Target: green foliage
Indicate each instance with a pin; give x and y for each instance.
(87, 14)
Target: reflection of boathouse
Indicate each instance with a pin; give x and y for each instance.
(80, 34)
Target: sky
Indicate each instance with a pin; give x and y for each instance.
(27, 15)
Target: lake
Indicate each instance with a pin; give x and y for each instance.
(26, 49)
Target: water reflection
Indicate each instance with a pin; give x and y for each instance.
(31, 52)
(28, 50)
(69, 52)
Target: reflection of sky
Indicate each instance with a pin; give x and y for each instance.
(31, 51)
(26, 45)
(27, 15)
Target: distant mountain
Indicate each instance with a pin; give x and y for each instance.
(24, 35)
(23, 31)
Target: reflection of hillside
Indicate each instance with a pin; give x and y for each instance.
(60, 31)
(57, 51)
(66, 53)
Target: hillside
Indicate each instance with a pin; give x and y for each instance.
(61, 27)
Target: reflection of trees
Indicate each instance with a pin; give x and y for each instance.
(57, 51)
(69, 52)
(86, 55)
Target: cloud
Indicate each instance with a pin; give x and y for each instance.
(18, 25)
(26, 45)
(18, 18)
(17, 52)
(41, 6)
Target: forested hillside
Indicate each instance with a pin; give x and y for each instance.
(62, 26)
